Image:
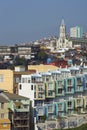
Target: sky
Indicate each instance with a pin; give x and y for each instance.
(23, 21)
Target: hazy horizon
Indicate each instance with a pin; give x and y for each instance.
(23, 21)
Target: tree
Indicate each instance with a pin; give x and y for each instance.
(20, 61)
(42, 56)
(44, 117)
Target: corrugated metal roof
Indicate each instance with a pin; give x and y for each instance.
(3, 99)
(12, 96)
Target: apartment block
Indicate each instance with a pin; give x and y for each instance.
(5, 122)
(9, 79)
(76, 32)
(55, 93)
(6, 80)
(14, 111)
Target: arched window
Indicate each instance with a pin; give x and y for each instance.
(63, 40)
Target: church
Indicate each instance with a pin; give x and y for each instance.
(62, 41)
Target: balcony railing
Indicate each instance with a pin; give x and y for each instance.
(50, 111)
(60, 109)
(70, 106)
(40, 113)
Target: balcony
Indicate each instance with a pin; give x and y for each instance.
(60, 92)
(41, 91)
(40, 112)
(79, 103)
(79, 83)
(79, 88)
(70, 85)
(69, 90)
(37, 81)
(21, 116)
(50, 94)
(60, 108)
(50, 111)
(70, 107)
(22, 109)
(51, 88)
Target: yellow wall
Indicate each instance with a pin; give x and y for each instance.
(42, 68)
(7, 83)
(4, 110)
(4, 124)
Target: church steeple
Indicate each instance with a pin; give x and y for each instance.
(62, 30)
(62, 23)
(62, 41)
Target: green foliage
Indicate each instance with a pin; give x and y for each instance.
(44, 117)
(42, 56)
(20, 61)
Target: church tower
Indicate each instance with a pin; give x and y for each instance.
(62, 30)
(62, 41)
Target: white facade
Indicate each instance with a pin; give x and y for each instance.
(63, 42)
(19, 68)
(26, 88)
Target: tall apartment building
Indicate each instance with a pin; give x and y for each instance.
(76, 32)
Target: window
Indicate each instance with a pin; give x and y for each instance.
(50, 109)
(40, 95)
(4, 124)
(17, 80)
(59, 107)
(31, 87)
(47, 78)
(35, 95)
(50, 86)
(2, 115)
(69, 82)
(60, 83)
(69, 89)
(25, 106)
(69, 103)
(1, 77)
(59, 91)
(63, 40)
(28, 80)
(24, 80)
(86, 85)
(79, 80)
(40, 88)
(2, 105)
(50, 93)
(20, 86)
(33, 80)
(40, 111)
